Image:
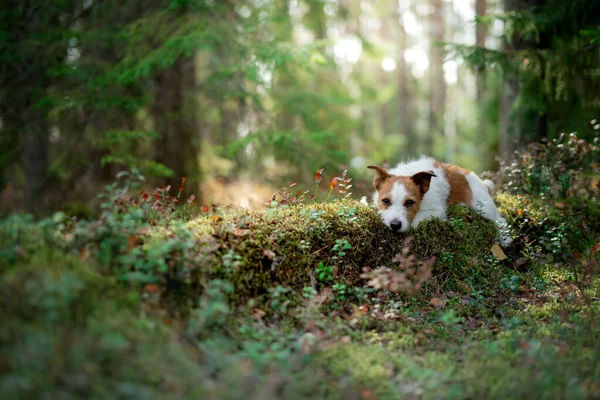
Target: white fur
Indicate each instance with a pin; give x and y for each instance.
(434, 202)
(396, 212)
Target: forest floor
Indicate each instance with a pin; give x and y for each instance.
(292, 302)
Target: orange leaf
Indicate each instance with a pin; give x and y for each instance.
(332, 183)
(131, 242)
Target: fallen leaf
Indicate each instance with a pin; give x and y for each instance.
(498, 253)
(131, 242)
(84, 253)
(258, 313)
(151, 288)
(437, 303)
(368, 394)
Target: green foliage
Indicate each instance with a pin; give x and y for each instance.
(564, 167)
(160, 299)
(340, 246)
(549, 57)
(324, 273)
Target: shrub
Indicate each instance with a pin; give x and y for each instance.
(564, 167)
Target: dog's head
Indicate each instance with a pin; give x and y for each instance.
(398, 198)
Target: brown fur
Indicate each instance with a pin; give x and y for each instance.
(460, 191)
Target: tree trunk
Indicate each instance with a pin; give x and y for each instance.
(36, 159)
(384, 116)
(437, 93)
(517, 125)
(173, 114)
(480, 36)
(405, 100)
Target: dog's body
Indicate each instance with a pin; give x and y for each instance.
(418, 190)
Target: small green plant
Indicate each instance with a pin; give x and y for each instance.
(231, 262)
(510, 283)
(348, 213)
(213, 308)
(324, 273)
(340, 247)
(340, 290)
(277, 300)
(309, 292)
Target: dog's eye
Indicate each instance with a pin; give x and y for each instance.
(409, 203)
(387, 202)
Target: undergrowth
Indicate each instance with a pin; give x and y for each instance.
(161, 298)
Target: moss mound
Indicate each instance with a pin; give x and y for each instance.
(257, 250)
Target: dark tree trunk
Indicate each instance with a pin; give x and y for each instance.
(174, 117)
(516, 126)
(36, 160)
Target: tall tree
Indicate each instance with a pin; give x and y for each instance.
(405, 95)
(480, 37)
(173, 112)
(33, 49)
(437, 83)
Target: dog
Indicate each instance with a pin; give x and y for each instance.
(418, 190)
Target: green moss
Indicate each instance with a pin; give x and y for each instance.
(260, 249)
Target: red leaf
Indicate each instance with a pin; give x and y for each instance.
(151, 288)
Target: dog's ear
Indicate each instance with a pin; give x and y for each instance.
(422, 180)
(381, 176)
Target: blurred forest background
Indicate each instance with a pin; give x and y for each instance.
(242, 96)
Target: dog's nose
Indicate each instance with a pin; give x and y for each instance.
(396, 225)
